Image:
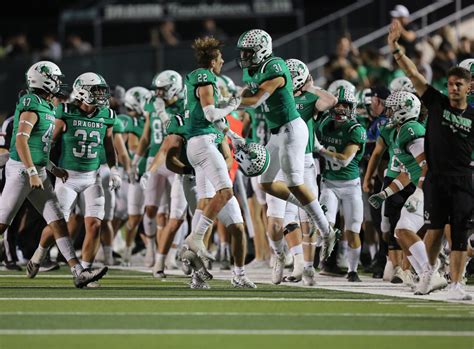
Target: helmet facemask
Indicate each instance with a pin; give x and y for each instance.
(342, 112)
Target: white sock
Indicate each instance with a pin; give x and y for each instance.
(353, 256)
(277, 246)
(39, 255)
(292, 199)
(418, 250)
(308, 264)
(196, 218)
(160, 261)
(372, 250)
(107, 251)
(343, 248)
(239, 270)
(66, 248)
(86, 265)
(76, 269)
(316, 213)
(171, 257)
(298, 264)
(202, 226)
(298, 249)
(149, 226)
(415, 265)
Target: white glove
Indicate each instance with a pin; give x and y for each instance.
(221, 124)
(234, 102)
(236, 140)
(134, 168)
(317, 145)
(414, 200)
(144, 180)
(115, 180)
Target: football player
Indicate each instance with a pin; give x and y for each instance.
(342, 146)
(84, 126)
(270, 87)
(158, 110)
(26, 169)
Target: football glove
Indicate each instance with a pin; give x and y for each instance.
(414, 200)
(144, 180)
(115, 180)
(236, 140)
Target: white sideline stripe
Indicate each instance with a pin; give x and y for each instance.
(259, 299)
(242, 314)
(123, 331)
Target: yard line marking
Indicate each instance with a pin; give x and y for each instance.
(443, 307)
(243, 314)
(260, 299)
(279, 332)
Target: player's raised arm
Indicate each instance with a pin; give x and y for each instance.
(405, 63)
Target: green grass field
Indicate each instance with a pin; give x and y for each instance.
(132, 310)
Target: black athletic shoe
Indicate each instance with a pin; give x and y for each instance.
(352, 276)
(12, 266)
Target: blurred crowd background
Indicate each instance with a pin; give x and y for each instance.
(129, 41)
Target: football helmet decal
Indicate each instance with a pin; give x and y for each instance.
(402, 106)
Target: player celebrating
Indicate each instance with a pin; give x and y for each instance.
(270, 86)
(26, 169)
(343, 145)
(85, 126)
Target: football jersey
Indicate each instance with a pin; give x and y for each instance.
(306, 106)
(408, 132)
(336, 140)
(41, 134)
(387, 134)
(176, 126)
(136, 127)
(197, 123)
(280, 107)
(84, 135)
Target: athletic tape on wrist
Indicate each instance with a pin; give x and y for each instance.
(32, 171)
(398, 184)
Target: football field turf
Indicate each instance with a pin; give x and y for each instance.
(133, 310)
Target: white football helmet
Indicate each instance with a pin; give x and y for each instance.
(336, 84)
(44, 75)
(253, 159)
(402, 106)
(255, 46)
(345, 106)
(402, 83)
(363, 98)
(91, 89)
(299, 72)
(468, 64)
(170, 82)
(136, 97)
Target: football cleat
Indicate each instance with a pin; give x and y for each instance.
(32, 269)
(328, 243)
(87, 276)
(277, 272)
(425, 284)
(197, 245)
(159, 274)
(309, 276)
(242, 281)
(398, 276)
(457, 293)
(352, 276)
(197, 282)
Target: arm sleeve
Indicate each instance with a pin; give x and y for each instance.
(213, 114)
(416, 147)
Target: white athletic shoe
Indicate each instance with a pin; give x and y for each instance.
(309, 276)
(408, 278)
(196, 244)
(127, 256)
(93, 284)
(388, 271)
(438, 282)
(87, 276)
(277, 272)
(149, 259)
(398, 276)
(197, 282)
(329, 241)
(425, 284)
(457, 293)
(242, 281)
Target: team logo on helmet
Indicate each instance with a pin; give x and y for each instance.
(253, 159)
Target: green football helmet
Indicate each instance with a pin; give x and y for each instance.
(255, 46)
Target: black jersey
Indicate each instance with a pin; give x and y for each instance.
(449, 136)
